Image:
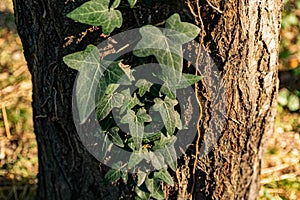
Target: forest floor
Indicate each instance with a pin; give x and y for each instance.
(18, 149)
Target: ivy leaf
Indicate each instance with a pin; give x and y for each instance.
(115, 73)
(169, 90)
(157, 160)
(132, 3)
(171, 84)
(152, 184)
(159, 194)
(83, 59)
(141, 176)
(166, 45)
(115, 137)
(141, 194)
(166, 109)
(90, 71)
(135, 158)
(129, 101)
(184, 31)
(106, 144)
(154, 187)
(136, 125)
(98, 13)
(104, 106)
(115, 173)
(154, 42)
(144, 86)
(188, 80)
(166, 147)
(164, 175)
(117, 100)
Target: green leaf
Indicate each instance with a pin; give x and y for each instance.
(164, 175)
(151, 184)
(115, 173)
(132, 3)
(106, 144)
(166, 45)
(115, 137)
(97, 13)
(115, 73)
(169, 90)
(167, 112)
(144, 86)
(154, 187)
(154, 42)
(83, 59)
(184, 31)
(136, 125)
(159, 195)
(129, 101)
(188, 80)
(112, 175)
(171, 84)
(104, 105)
(142, 194)
(90, 71)
(157, 160)
(167, 150)
(141, 176)
(135, 158)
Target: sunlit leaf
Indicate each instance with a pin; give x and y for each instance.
(157, 160)
(141, 176)
(166, 147)
(115, 173)
(164, 175)
(132, 3)
(142, 194)
(166, 45)
(136, 125)
(135, 158)
(144, 86)
(115, 137)
(90, 71)
(166, 109)
(97, 13)
(129, 101)
(104, 106)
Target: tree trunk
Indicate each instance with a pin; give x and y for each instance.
(242, 38)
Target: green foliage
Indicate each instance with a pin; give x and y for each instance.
(97, 13)
(109, 80)
(288, 99)
(136, 125)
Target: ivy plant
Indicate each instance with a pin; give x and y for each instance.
(110, 81)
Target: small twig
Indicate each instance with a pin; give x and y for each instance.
(214, 7)
(6, 124)
(278, 168)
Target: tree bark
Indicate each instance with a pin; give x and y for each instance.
(242, 38)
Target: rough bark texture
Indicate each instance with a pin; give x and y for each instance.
(242, 40)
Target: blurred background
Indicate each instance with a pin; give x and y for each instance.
(18, 149)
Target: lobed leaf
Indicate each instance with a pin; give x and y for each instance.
(136, 125)
(164, 175)
(166, 109)
(98, 13)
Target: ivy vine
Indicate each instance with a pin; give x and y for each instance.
(110, 79)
